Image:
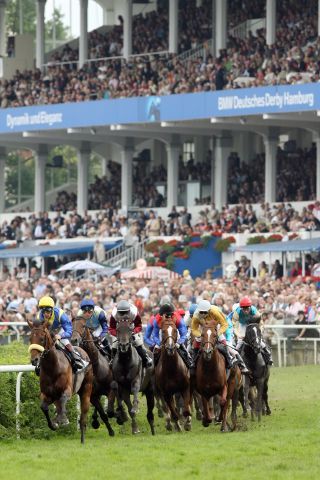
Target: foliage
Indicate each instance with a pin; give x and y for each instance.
(256, 239)
(280, 441)
(223, 244)
(205, 239)
(153, 246)
(275, 237)
(150, 261)
(170, 262)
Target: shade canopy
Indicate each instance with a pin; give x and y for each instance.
(81, 265)
(151, 272)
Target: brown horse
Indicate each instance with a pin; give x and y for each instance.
(172, 376)
(211, 378)
(102, 374)
(57, 382)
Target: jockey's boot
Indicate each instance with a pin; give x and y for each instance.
(242, 365)
(77, 363)
(184, 354)
(228, 358)
(156, 355)
(146, 360)
(105, 348)
(194, 357)
(267, 355)
(113, 354)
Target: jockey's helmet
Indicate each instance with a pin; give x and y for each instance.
(123, 307)
(245, 302)
(87, 304)
(166, 309)
(193, 307)
(46, 302)
(204, 306)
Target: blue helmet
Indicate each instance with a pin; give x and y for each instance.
(193, 307)
(87, 302)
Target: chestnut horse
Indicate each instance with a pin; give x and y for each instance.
(211, 378)
(102, 374)
(57, 381)
(172, 376)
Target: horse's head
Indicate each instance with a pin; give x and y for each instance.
(124, 334)
(253, 337)
(78, 330)
(169, 335)
(40, 340)
(209, 338)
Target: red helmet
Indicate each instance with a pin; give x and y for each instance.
(245, 302)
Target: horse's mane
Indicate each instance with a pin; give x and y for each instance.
(210, 324)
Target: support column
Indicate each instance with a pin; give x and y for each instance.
(126, 177)
(41, 157)
(221, 25)
(271, 146)
(223, 147)
(173, 26)
(83, 39)
(127, 29)
(271, 21)
(105, 158)
(317, 141)
(83, 177)
(173, 152)
(3, 29)
(3, 157)
(318, 18)
(40, 36)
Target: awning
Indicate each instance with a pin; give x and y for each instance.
(308, 245)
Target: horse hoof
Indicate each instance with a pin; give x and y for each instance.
(135, 432)
(120, 421)
(187, 427)
(95, 424)
(110, 413)
(169, 428)
(205, 423)
(268, 412)
(54, 426)
(64, 422)
(111, 433)
(178, 427)
(199, 416)
(245, 415)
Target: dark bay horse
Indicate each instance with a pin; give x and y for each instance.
(211, 378)
(130, 377)
(172, 376)
(102, 374)
(57, 381)
(260, 371)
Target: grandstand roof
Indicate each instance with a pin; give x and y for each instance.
(50, 250)
(290, 246)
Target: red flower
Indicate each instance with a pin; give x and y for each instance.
(196, 244)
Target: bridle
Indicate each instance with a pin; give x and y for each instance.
(121, 325)
(169, 343)
(209, 346)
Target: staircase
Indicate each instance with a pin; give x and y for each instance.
(123, 257)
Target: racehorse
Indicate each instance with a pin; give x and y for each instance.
(172, 376)
(260, 370)
(102, 374)
(57, 382)
(211, 378)
(130, 377)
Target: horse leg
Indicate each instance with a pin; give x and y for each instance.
(85, 395)
(259, 400)
(95, 419)
(224, 408)
(135, 389)
(159, 406)
(265, 397)
(134, 424)
(150, 406)
(173, 411)
(197, 405)
(187, 409)
(206, 419)
(120, 413)
(45, 408)
(62, 418)
(104, 417)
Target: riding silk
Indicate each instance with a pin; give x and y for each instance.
(98, 319)
(214, 314)
(180, 324)
(133, 316)
(58, 319)
(244, 318)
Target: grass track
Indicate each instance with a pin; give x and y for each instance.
(283, 446)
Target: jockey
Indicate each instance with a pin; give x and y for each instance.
(124, 309)
(204, 313)
(244, 314)
(96, 321)
(229, 334)
(148, 337)
(167, 311)
(188, 319)
(59, 320)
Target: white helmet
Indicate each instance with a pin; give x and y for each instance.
(204, 306)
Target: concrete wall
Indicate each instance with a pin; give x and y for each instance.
(23, 59)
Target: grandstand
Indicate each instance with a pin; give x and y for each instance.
(262, 127)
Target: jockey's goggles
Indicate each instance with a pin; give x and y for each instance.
(245, 308)
(168, 315)
(123, 312)
(203, 313)
(46, 309)
(87, 309)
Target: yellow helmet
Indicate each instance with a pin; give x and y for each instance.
(46, 302)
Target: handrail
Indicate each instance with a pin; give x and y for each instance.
(129, 256)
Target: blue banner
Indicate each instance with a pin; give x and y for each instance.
(226, 103)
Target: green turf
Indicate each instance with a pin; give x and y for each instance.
(283, 446)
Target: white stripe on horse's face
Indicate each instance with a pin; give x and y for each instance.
(170, 331)
(209, 332)
(170, 342)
